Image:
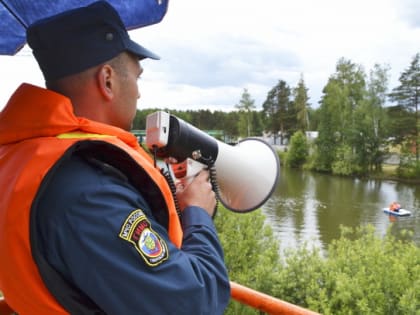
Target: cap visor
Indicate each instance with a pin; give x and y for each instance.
(140, 51)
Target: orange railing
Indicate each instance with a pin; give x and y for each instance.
(264, 302)
(240, 293)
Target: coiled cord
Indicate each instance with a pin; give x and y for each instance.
(167, 175)
(172, 187)
(215, 186)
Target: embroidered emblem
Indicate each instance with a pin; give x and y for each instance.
(138, 231)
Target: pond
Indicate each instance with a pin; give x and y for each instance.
(310, 207)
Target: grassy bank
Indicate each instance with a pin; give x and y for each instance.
(389, 172)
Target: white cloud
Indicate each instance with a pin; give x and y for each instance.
(17, 69)
(212, 50)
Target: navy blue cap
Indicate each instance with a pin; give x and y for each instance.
(78, 39)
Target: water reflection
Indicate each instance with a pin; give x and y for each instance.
(310, 207)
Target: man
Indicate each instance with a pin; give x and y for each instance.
(395, 206)
(88, 225)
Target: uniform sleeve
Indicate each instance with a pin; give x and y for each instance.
(100, 234)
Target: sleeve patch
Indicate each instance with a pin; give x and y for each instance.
(138, 231)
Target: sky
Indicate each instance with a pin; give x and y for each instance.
(212, 50)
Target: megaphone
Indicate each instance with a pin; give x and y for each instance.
(246, 173)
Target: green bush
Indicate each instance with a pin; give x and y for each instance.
(298, 150)
(409, 168)
(372, 275)
(282, 157)
(251, 252)
(361, 273)
(343, 163)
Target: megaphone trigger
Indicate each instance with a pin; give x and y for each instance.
(184, 172)
(179, 169)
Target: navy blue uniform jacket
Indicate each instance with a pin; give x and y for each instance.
(80, 219)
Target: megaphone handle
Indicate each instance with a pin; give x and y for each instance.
(212, 177)
(186, 180)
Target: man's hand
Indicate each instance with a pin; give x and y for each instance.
(198, 193)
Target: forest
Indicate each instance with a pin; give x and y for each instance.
(359, 120)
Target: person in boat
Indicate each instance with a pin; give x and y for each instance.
(88, 224)
(394, 206)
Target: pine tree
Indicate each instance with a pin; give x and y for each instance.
(302, 106)
(245, 106)
(407, 95)
(279, 110)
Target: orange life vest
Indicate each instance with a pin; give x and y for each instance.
(36, 128)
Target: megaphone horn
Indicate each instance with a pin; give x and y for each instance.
(247, 172)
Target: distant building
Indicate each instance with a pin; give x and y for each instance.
(311, 135)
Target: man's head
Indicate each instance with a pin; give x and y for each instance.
(76, 40)
(86, 54)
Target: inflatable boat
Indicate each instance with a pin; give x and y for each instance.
(399, 213)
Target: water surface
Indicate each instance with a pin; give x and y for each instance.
(308, 206)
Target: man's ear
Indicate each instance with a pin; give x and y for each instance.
(105, 79)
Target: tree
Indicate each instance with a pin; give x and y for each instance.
(407, 94)
(278, 110)
(301, 104)
(270, 109)
(245, 107)
(257, 123)
(372, 122)
(351, 79)
(231, 125)
(202, 119)
(338, 125)
(329, 128)
(400, 123)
